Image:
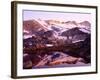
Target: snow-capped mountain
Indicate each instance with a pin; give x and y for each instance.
(49, 24)
(59, 29)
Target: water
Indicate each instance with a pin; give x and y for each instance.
(64, 65)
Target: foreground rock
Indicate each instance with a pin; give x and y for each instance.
(58, 58)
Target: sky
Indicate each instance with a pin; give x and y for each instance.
(66, 16)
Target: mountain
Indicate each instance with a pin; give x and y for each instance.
(75, 35)
(37, 25)
(68, 24)
(53, 31)
(72, 32)
(85, 23)
(33, 26)
(72, 22)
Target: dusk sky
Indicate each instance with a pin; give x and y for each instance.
(70, 16)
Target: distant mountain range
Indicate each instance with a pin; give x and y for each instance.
(31, 25)
(56, 29)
